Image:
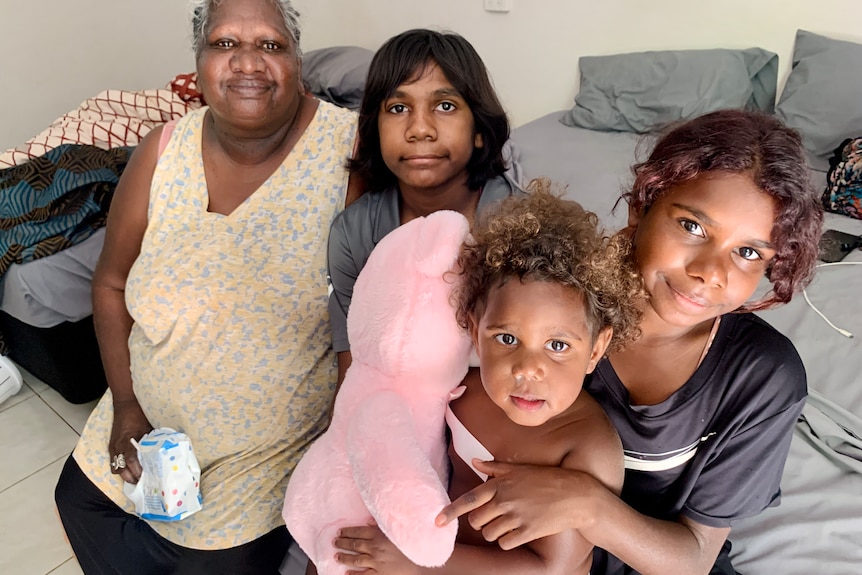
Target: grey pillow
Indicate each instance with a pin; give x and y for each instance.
(823, 94)
(645, 91)
(337, 74)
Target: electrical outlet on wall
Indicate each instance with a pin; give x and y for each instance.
(498, 5)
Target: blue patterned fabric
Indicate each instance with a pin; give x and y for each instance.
(56, 200)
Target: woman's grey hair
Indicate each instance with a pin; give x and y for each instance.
(201, 10)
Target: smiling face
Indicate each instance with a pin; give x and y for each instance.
(703, 246)
(535, 348)
(248, 68)
(426, 133)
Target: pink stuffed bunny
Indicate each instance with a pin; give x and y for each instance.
(384, 455)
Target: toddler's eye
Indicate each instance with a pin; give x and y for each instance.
(506, 339)
(691, 227)
(750, 254)
(446, 106)
(557, 346)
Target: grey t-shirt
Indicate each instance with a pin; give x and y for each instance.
(359, 228)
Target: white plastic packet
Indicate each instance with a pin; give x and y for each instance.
(169, 487)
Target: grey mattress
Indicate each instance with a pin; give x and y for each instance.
(818, 526)
(594, 167)
(52, 290)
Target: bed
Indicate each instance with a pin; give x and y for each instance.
(817, 528)
(46, 319)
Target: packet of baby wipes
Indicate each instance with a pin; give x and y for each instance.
(169, 487)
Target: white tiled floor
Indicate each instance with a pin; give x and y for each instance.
(38, 430)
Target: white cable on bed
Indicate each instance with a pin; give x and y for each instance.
(842, 331)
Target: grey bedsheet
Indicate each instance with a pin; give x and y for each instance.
(594, 166)
(818, 526)
(48, 291)
(833, 362)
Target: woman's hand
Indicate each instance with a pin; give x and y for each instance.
(368, 551)
(129, 423)
(522, 503)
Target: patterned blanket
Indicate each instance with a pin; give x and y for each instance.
(56, 200)
(112, 119)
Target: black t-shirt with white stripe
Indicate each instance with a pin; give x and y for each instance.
(714, 451)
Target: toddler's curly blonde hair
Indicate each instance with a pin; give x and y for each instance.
(542, 237)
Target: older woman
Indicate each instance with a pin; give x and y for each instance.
(210, 306)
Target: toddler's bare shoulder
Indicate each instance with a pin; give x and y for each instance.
(594, 445)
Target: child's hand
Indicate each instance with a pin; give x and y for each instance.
(370, 552)
(522, 503)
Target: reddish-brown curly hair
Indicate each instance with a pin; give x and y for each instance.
(739, 141)
(542, 237)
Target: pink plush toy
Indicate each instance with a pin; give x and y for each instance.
(384, 455)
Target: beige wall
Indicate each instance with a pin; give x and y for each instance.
(532, 51)
(58, 52)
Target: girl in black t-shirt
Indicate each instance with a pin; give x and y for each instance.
(704, 401)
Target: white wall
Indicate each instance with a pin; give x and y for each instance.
(56, 53)
(532, 51)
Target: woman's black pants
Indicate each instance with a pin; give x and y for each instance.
(108, 541)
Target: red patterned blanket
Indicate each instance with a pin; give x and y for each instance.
(112, 119)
